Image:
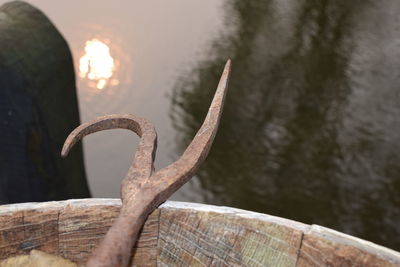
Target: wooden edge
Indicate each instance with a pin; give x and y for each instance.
(237, 212)
(314, 229)
(335, 237)
(317, 244)
(333, 247)
(85, 202)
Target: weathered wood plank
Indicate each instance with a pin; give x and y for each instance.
(41, 230)
(11, 233)
(81, 227)
(184, 234)
(325, 247)
(70, 229)
(192, 238)
(24, 227)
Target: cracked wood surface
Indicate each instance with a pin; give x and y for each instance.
(184, 234)
(213, 239)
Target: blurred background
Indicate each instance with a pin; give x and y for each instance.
(310, 129)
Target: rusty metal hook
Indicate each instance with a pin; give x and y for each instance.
(142, 189)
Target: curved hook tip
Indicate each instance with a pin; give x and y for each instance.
(66, 148)
(72, 139)
(64, 152)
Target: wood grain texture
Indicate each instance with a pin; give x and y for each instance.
(195, 238)
(70, 229)
(81, 229)
(41, 230)
(325, 247)
(11, 233)
(184, 234)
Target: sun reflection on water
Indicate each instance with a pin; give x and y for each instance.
(97, 64)
(104, 70)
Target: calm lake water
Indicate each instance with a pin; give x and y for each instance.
(310, 129)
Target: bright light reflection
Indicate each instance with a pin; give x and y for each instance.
(97, 64)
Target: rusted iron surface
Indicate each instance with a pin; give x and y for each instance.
(143, 189)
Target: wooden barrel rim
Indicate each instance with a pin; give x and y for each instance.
(184, 233)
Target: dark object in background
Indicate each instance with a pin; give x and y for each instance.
(38, 108)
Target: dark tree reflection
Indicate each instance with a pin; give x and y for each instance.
(310, 129)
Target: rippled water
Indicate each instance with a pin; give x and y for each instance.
(311, 125)
(310, 129)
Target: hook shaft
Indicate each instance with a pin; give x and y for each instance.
(142, 190)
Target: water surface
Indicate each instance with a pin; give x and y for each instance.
(311, 125)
